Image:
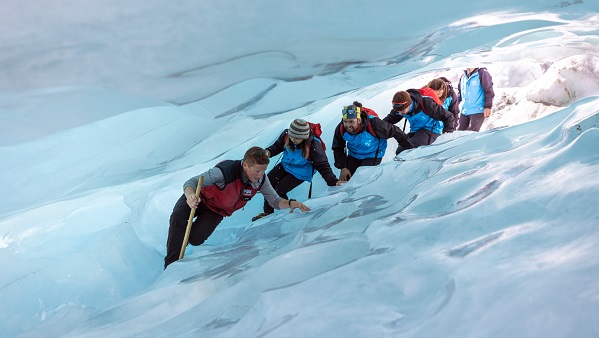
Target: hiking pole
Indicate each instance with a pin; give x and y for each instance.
(404, 125)
(310, 191)
(193, 211)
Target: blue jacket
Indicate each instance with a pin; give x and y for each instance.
(296, 164)
(420, 120)
(365, 145)
(475, 92)
(303, 169)
(372, 135)
(451, 103)
(447, 103)
(424, 113)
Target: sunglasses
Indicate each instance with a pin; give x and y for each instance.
(399, 106)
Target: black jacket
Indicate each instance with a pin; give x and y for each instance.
(454, 106)
(319, 159)
(431, 108)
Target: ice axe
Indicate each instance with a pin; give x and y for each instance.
(190, 221)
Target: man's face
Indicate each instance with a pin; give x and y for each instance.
(254, 172)
(351, 125)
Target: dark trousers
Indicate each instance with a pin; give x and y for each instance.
(352, 163)
(283, 182)
(202, 227)
(421, 137)
(471, 122)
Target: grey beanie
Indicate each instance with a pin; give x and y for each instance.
(299, 129)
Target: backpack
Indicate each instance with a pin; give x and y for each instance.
(425, 91)
(370, 113)
(317, 131)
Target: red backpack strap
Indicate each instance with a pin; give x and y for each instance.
(370, 130)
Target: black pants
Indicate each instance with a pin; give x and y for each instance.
(421, 137)
(283, 182)
(202, 227)
(352, 163)
(472, 122)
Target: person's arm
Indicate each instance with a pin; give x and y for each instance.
(486, 83)
(277, 147)
(276, 201)
(387, 130)
(460, 89)
(393, 117)
(320, 162)
(454, 106)
(432, 109)
(338, 148)
(213, 176)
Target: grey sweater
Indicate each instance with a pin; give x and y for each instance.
(215, 176)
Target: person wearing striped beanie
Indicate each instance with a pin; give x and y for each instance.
(303, 154)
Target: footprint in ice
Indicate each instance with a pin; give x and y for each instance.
(479, 195)
(476, 245)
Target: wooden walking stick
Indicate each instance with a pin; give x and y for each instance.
(193, 212)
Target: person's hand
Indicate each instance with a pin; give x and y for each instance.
(345, 175)
(293, 204)
(487, 112)
(193, 201)
(339, 183)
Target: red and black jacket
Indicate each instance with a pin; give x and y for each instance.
(238, 190)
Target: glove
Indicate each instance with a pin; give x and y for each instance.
(345, 175)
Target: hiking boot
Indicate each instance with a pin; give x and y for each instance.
(263, 214)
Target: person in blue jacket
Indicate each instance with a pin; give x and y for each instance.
(360, 139)
(449, 99)
(303, 153)
(475, 93)
(427, 118)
